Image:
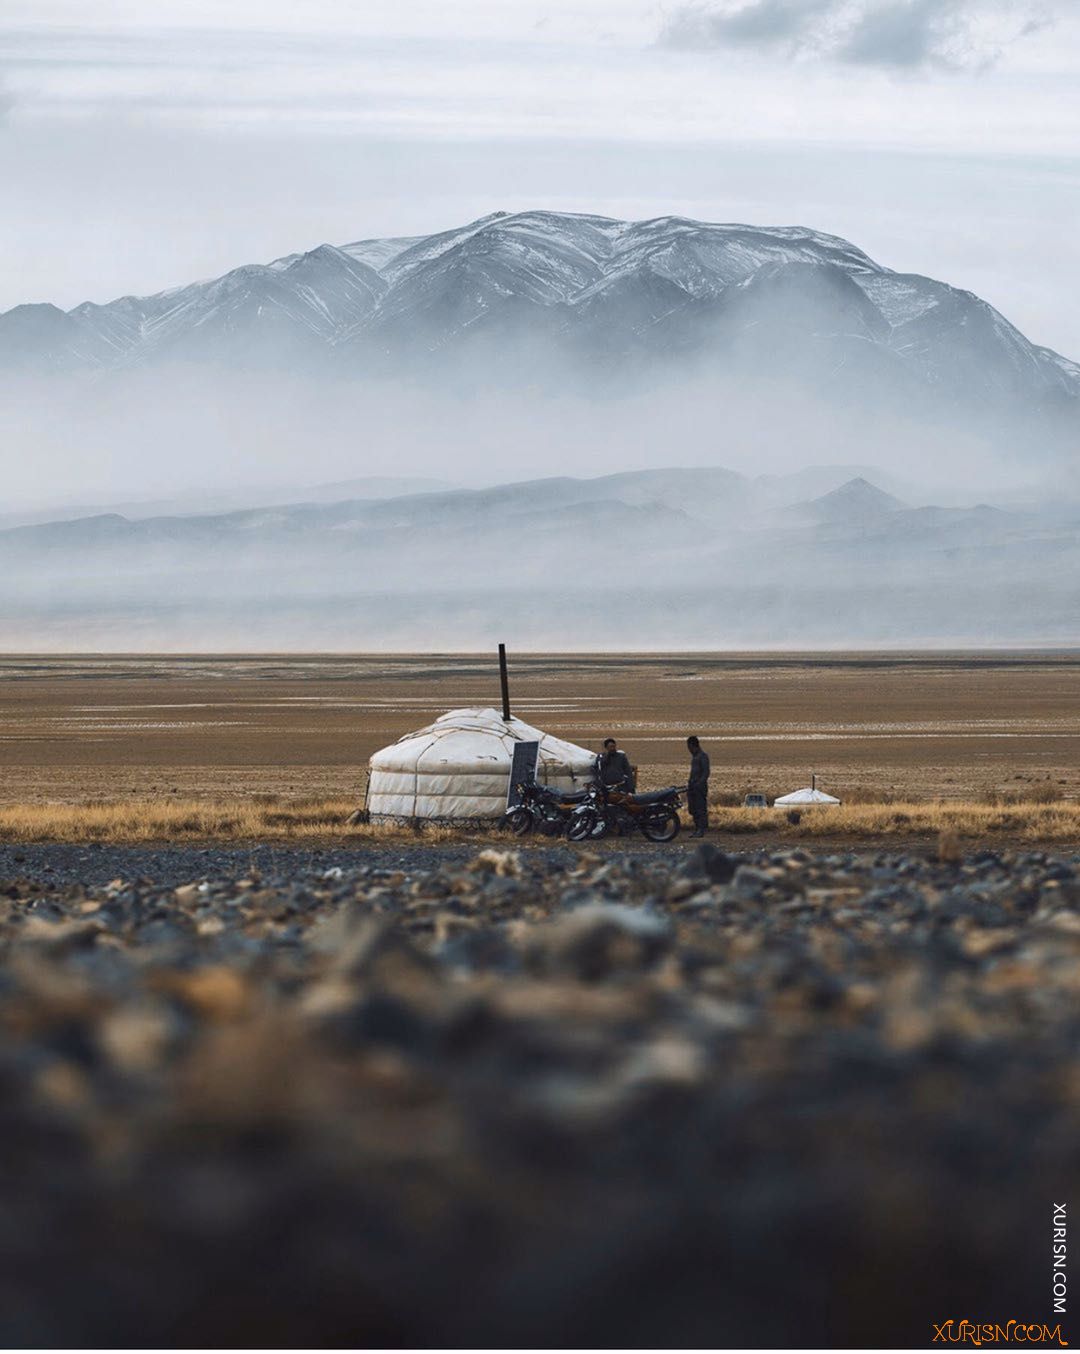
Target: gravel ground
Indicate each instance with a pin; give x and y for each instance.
(422, 1096)
(95, 865)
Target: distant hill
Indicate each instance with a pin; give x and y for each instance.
(856, 501)
(365, 486)
(703, 558)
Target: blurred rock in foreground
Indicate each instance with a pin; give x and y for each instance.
(631, 1101)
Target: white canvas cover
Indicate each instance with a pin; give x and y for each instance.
(804, 799)
(459, 767)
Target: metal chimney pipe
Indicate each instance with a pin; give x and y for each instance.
(505, 682)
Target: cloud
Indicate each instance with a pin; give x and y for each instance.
(778, 24)
(898, 34)
(909, 34)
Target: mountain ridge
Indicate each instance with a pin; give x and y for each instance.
(698, 556)
(714, 496)
(427, 293)
(778, 344)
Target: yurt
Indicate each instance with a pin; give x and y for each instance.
(459, 767)
(806, 799)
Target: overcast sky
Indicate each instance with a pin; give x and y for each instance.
(144, 143)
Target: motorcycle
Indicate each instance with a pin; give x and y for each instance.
(604, 810)
(542, 809)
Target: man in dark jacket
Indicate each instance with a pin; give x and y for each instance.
(697, 788)
(614, 767)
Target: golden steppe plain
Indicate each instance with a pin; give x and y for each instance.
(874, 727)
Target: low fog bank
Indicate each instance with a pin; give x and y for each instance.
(685, 620)
(184, 438)
(831, 555)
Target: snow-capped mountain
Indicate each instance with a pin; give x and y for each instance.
(539, 295)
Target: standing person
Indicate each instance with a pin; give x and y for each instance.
(613, 767)
(697, 788)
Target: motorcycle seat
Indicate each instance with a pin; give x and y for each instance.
(655, 796)
(561, 796)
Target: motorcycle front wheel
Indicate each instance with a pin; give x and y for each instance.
(519, 822)
(584, 825)
(661, 827)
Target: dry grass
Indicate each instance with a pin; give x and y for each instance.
(1028, 822)
(266, 818)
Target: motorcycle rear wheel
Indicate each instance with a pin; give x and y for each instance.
(519, 822)
(661, 827)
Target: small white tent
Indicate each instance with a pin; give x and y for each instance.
(805, 799)
(459, 767)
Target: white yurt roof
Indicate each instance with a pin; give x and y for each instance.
(459, 767)
(811, 795)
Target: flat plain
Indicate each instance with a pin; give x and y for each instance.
(874, 727)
